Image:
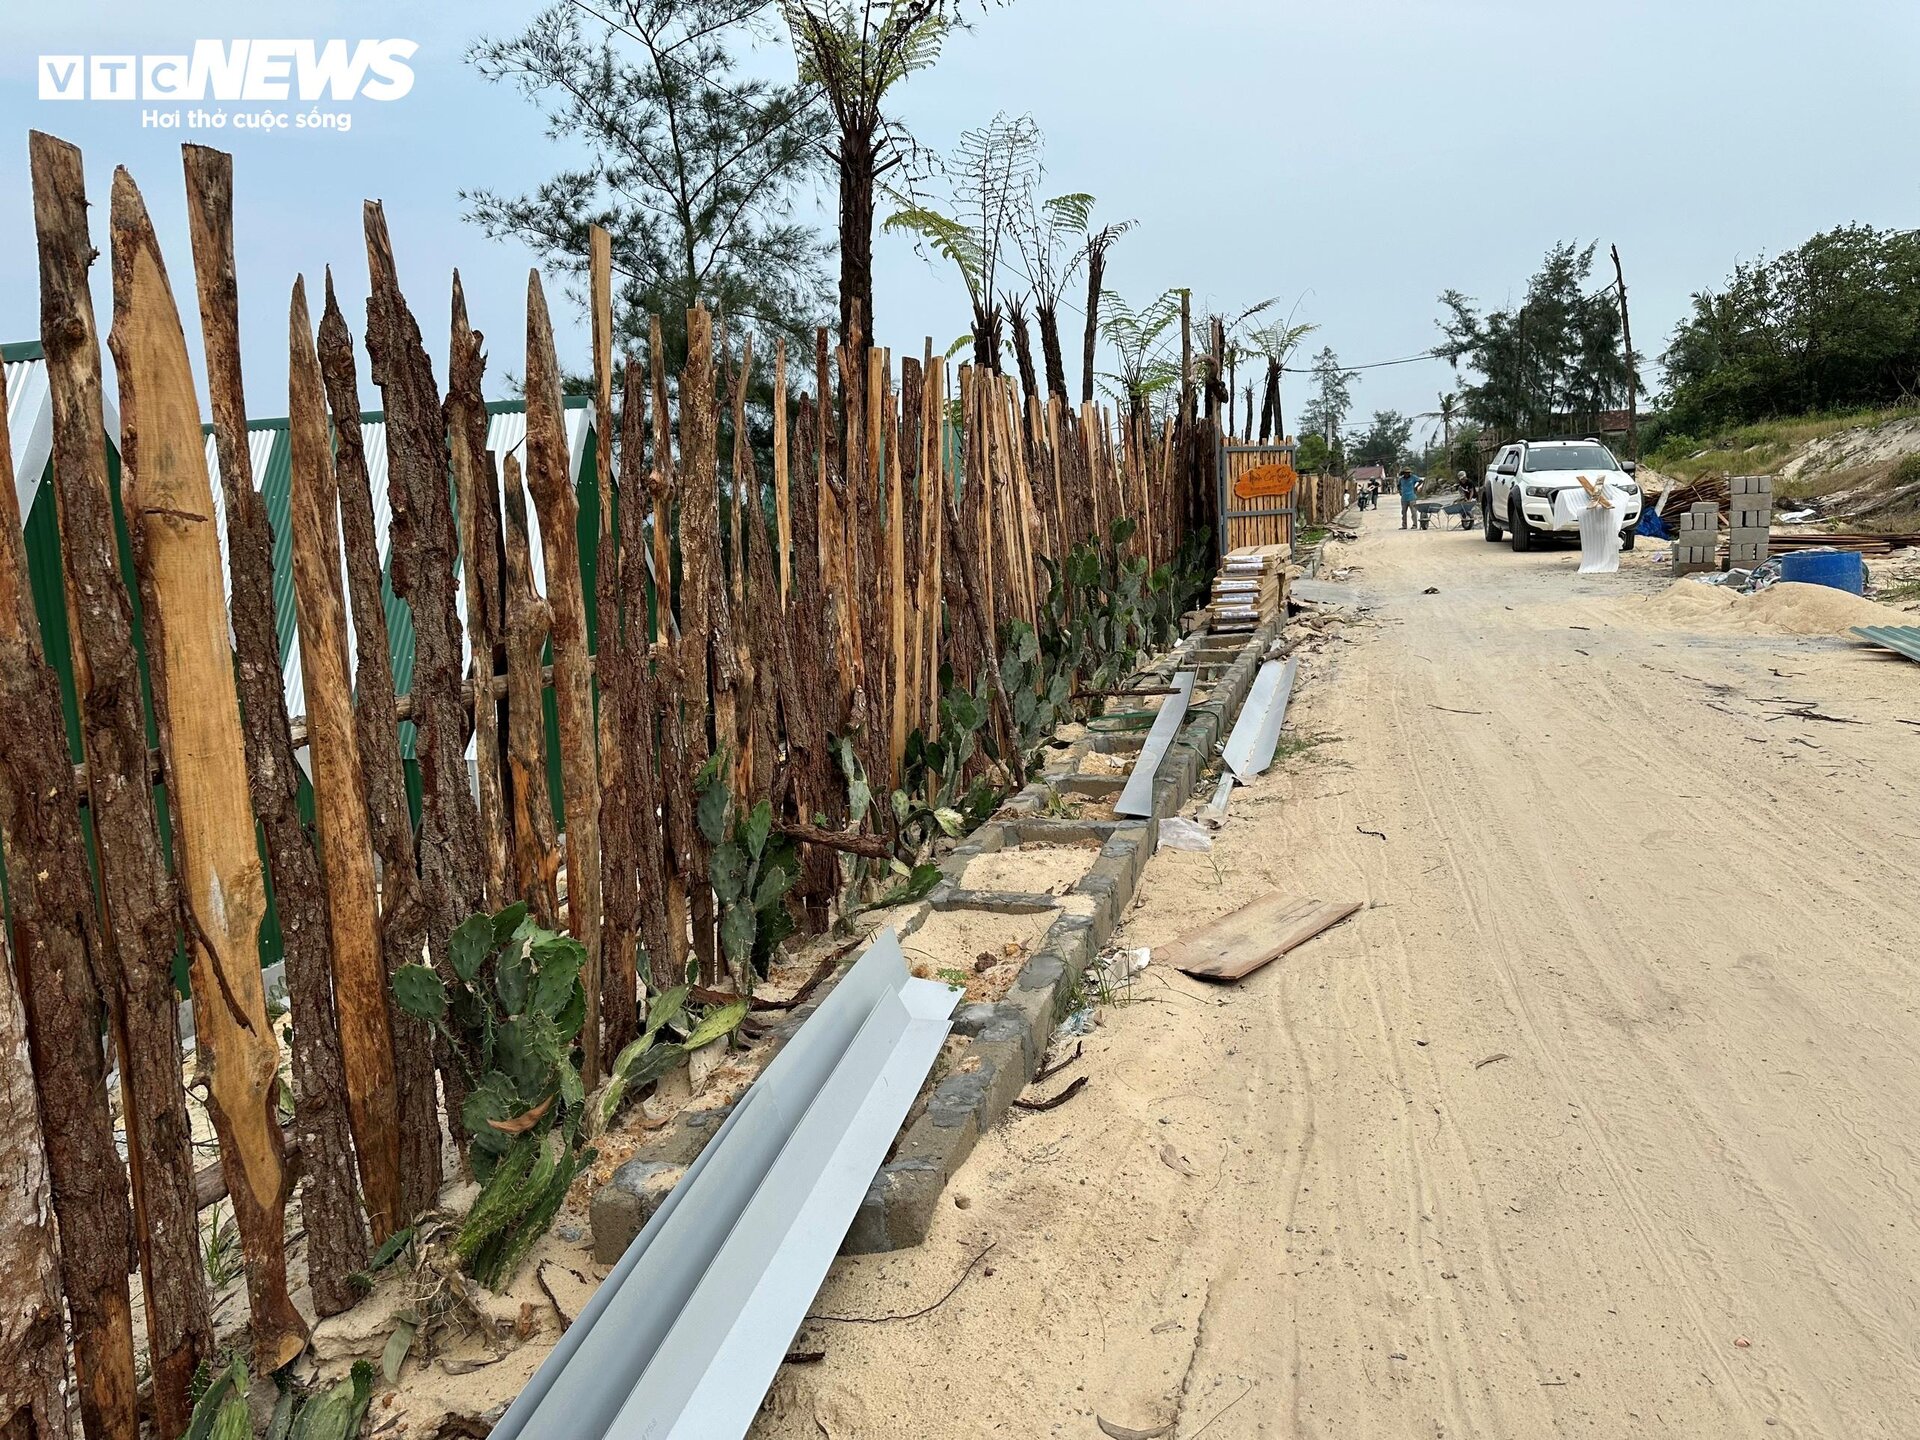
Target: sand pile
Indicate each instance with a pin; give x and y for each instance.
(1786, 608)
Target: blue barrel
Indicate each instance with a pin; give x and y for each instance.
(1838, 569)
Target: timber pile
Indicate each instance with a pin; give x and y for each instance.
(1682, 494)
(1865, 543)
(1249, 587)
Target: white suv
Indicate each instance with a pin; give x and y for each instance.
(1533, 489)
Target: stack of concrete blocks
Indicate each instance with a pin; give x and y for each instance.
(1696, 546)
(1752, 526)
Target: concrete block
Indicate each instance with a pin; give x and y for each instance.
(898, 1209)
(622, 1206)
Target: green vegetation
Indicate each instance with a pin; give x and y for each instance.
(511, 1015)
(221, 1410)
(692, 166)
(1552, 363)
(1832, 324)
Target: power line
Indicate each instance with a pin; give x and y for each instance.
(1372, 365)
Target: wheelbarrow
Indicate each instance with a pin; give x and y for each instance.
(1466, 510)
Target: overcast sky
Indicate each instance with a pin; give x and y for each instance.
(1357, 157)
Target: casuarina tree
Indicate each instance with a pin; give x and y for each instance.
(691, 166)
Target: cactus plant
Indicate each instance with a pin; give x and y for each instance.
(511, 1013)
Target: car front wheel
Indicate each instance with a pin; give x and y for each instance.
(1626, 539)
(1517, 523)
(1489, 527)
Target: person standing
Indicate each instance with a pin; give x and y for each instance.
(1408, 486)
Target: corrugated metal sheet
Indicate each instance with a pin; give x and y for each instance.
(30, 420)
(1902, 639)
(30, 424)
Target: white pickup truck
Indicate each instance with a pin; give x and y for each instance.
(1533, 490)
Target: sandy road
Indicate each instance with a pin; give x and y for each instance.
(1600, 1119)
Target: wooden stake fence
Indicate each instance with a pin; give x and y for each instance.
(873, 569)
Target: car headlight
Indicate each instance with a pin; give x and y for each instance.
(1543, 492)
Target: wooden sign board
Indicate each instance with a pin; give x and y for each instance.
(1266, 482)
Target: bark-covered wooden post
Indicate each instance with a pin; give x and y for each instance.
(473, 482)
(423, 549)
(403, 920)
(782, 476)
(748, 754)
(138, 901)
(699, 576)
(51, 907)
(675, 780)
(33, 1347)
(550, 479)
(635, 709)
(614, 650)
(169, 505)
(536, 854)
(339, 784)
(337, 1243)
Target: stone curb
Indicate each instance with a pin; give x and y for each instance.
(1006, 1039)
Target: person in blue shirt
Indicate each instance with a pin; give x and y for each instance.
(1408, 482)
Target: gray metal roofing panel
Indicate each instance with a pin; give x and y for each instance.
(728, 1342)
(1137, 798)
(1256, 734)
(586, 1382)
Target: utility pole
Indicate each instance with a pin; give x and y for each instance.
(1626, 338)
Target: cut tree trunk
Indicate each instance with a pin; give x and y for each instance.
(337, 1242)
(474, 489)
(54, 1042)
(169, 505)
(536, 852)
(857, 161)
(423, 550)
(403, 920)
(1047, 315)
(339, 784)
(550, 480)
(138, 900)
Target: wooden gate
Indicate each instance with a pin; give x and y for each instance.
(1259, 493)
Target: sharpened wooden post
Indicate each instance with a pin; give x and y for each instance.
(169, 504)
(476, 494)
(536, 853)
(699, 578)
(339, 786)
(614, 636)
(550, 479)
(403, 918)
(899, 680)
(423, 547)
(138, 901)
(337, 1241)
(52, 1075)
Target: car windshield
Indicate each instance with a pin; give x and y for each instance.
(1571, 457)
